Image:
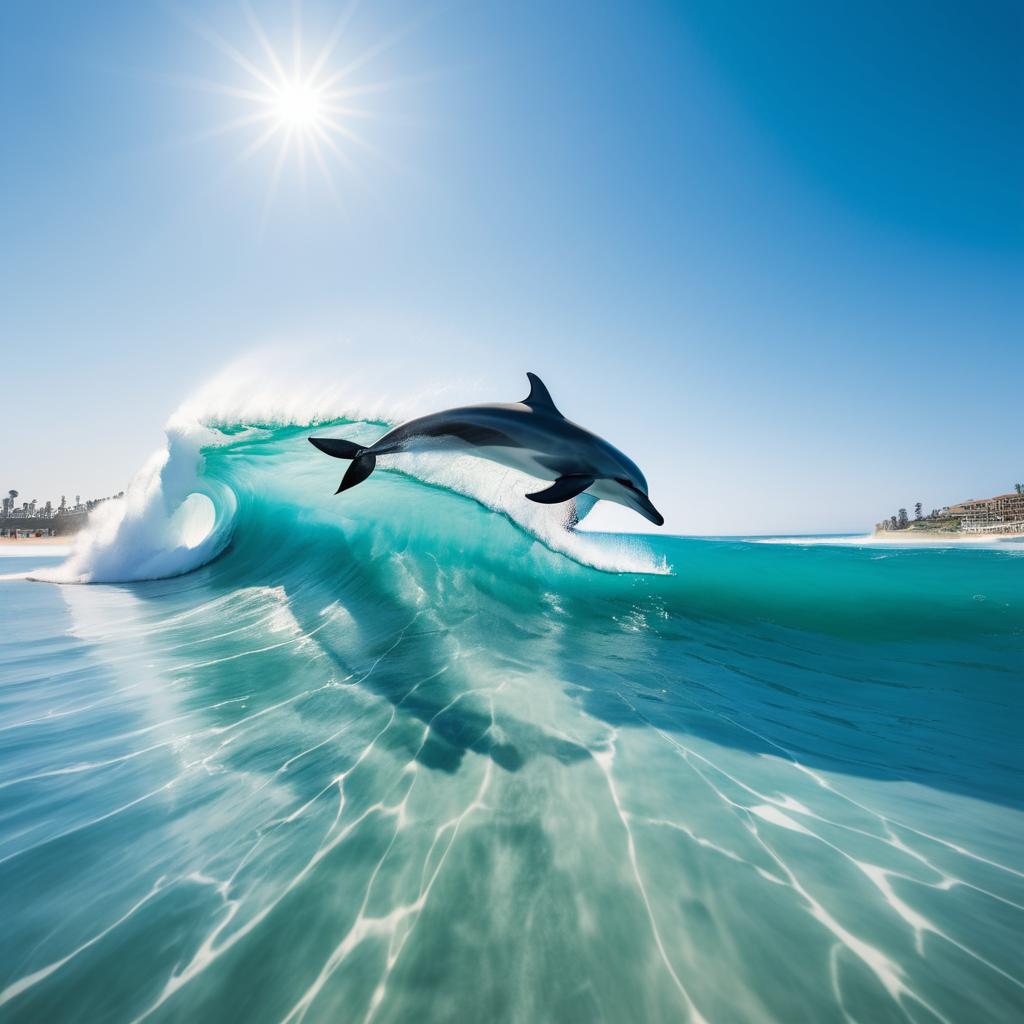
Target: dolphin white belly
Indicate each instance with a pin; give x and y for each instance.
(525, 460)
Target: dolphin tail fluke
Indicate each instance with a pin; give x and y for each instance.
(361, 468)
(362, 461)
(336, 447)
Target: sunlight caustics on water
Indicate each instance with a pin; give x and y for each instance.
(417, 753)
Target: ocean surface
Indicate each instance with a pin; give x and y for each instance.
(419, 753)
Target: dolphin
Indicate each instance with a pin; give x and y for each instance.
(531, 436)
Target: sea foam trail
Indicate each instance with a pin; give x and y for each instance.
(180, 511)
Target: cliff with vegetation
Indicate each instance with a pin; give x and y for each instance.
(1001, 514)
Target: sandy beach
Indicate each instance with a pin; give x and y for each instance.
(50, 547)
(35, 542)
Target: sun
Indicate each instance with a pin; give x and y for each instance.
(298, 106)
(305, 108)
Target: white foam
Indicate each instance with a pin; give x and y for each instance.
(898, 541)
(504, 490)
(158, 528)
(263, 389)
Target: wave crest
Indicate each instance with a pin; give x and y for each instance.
(158, 529)
(181, 510)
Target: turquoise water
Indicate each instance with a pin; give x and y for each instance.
(391, 757)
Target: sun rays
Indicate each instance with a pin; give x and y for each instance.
(300, 105)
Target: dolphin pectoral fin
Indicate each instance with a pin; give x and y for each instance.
(539, 397)
(564, 488)
(361, 468)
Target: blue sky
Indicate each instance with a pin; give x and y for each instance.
(774, 252)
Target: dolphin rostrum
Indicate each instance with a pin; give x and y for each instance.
(531, 436)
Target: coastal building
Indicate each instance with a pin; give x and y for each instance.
(31, 518)
(1002, 514)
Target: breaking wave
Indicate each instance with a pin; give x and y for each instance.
(184, 506)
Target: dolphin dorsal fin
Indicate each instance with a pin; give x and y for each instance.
(539, 397)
